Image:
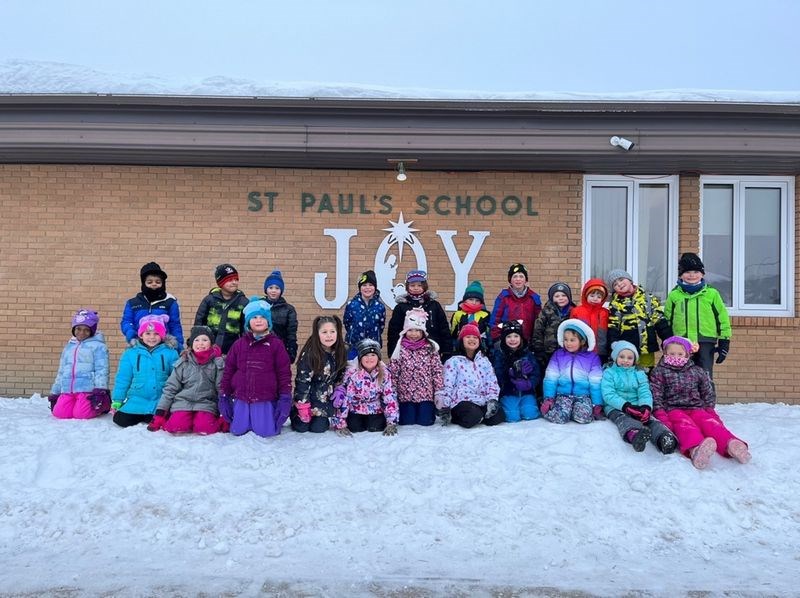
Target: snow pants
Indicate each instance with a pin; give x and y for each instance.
(705, 357)
(692, 426)
(317, 425)
(570, 407)
(468, 414)
(199, 422)
(258, 417)
(421, 414)
(372, 422)
(519, 407)
(625, 423)
(126, 420)
(74, 405)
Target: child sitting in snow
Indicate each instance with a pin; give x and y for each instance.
(684, 400)
(572, 380)
(189, 400)
(517, 374)
(629, 402)
(416, 371)
(80, 389)
(366, 398)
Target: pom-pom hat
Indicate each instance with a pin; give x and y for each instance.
(275, 278)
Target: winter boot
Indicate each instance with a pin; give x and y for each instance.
(738, 450)
(638, 439)
(667, 444)
(701, 454)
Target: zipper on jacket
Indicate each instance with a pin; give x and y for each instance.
(74, 366)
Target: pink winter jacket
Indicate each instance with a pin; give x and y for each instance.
(417, 375)
(365, 395)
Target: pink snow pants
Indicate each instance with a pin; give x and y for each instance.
(692, 426)
(199, 422)
(74, 405)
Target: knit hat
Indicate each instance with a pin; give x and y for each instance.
(689, 262)
(474, 291)
(200, 331)
(85, 317)
(257, 307)
(515, 268)
(578, 326)
(368, 277)
(225, 273)
(683, 342)
(367, 346)
(416, 276)
(154, 323)
(618, 347)
(470, 329)
(416, 319)
(510, 327)
(616, 274)
(152, 269)
(274, 279)
(559, 287)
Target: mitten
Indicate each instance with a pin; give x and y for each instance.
(53, 399)
(547, 405)
(225, 404)
(521, 384)
(100, 399)
(303, 412)
(344, 432)
(116, 406)
(645, 414)
(391, 430)
(723, 346)
(634, 411)
(133, 342)
(525, 367)
(338, 397)
(597, 412)
(282, 408)
(444, 416)
(224, 425)
(159, 419)
(491, 408)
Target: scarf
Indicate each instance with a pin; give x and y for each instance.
(204, 357)
(407, 343)
(519, 294)
(675, 360)
(692, 288)
(470, 309)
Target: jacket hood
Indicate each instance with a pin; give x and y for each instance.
(593, 284)
(96, 337)
(426, 296)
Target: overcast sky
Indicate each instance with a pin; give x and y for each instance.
(490, 45)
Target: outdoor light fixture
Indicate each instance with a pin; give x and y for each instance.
(401, 172)
(400, 166)
(625, 144)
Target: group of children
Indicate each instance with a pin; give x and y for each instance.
(235, 374)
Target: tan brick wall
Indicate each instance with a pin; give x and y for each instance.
(77, 235)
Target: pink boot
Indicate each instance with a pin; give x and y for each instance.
(738, 450)
(701, 454)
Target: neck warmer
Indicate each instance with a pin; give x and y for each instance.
(692, 288)
(564, 311)
(407, 343)
(519, 294)
(470, 309)
(154, 294)
(675, 361)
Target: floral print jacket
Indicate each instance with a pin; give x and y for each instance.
(366, 394)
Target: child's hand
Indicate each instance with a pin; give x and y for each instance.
(344, 432)
(133, 342)
(492, 407)
(338, 397)
(303, 412)
(695, 347)
(53, 399)
(115, 406)
(444, 416)
(597, 412)
(547, 405)
(723, 346)
(391, 430)
(159, 419)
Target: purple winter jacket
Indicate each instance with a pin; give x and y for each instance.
(687, 387)
(257, 370)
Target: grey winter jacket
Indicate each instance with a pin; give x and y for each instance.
(191, 386)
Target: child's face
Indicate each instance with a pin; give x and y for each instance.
(368, 290)
(273, 291)
(560, 299)
(472, 343)
(513, 340)
(473, 302)
(201, 343)
(258, 324)
(595, 297)
(623, 286)
(572, 341)
(414, 334)
(675, 350)
(231, 286)
(327, 335)
(82, 332)
(518, 281)
(151, 338)
(626, 358)
(415, 288)
(692, 276)
(151, 281)
(369, 362)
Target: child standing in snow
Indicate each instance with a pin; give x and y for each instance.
(472, 309)
(418, 295)
(143, 370)
(256, 387)
(591, 311)
(416, 370)
(517, 374)
(364, 314)
(517, 302)
(189, 399)
(153, 299)
(367, 400)
(629, 402)
(80, 389)
(545, 331)
(319, 370)
(572, 380)
(470, 393)
(684, 401)
(221, 310)
(284, 315)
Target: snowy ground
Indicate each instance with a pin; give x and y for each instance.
(529, 509)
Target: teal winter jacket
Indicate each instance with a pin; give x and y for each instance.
(625, 385)
(141, 376)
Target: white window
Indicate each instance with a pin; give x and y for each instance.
(747, 242)
(631, 222)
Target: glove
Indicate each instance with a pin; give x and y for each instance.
(597, 412)
(100, 399)
(491, 408)
(133, 342)
(444, 415)
(225, 404)
(338, 397)
(646, 411)
(344, 432)
(633, 411)
(224, 426)
(116, 406)
(52, 399)
(303, 412)
(159, 419)
(547, 405)
(521, 384)
(282, 408)
(391, 430)
(723, 346)
(525, 367)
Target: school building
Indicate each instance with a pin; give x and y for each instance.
(92, 187)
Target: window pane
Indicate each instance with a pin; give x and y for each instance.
(654, 238)
(608, 229)
(717, 218)
(762, 246)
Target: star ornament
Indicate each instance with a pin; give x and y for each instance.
(401, 233)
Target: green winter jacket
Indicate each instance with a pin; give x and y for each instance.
(700, 316)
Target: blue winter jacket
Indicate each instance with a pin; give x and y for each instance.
(141, 377)
(363, 320)
(138, 307)
(625, 385)
(83, 366)
(577, 374)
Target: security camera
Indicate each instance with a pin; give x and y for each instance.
(625, 144)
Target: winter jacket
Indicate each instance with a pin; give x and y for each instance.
(480, 318)
(366, 395)
(687, 387)
(141, 376)
(224, 317)
(576, 374)
(504, 360)
(637, 319)
(596, 316)
(507, 306)
(625, 385)
(437, 327)
(192, 386)
(700, 316)
(83, 366)
(257, 370)
(284, 324)
(364, 320)
(138, 307)
(545, 332)
(417, 374)
(468, 380)
(316, 389)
